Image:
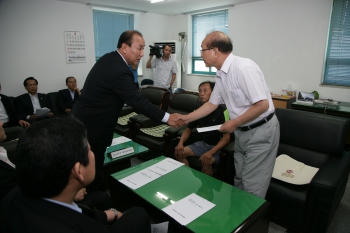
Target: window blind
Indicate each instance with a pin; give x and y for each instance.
(108, 26)
(337, 69)
(202, 24)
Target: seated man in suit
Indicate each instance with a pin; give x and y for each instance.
(67, 97)
(213, 141)
(96, 200)
(27, 104)
(9, 118)
(8, 178)
(54, 162)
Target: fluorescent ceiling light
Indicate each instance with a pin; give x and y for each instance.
(155, 1)
(208, 9)
(115, 7)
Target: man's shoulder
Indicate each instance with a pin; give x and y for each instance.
(43, 214)
(25, 95)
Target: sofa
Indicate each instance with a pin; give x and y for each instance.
(316, 140)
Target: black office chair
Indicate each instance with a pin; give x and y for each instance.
(179, 89)
(147, 82)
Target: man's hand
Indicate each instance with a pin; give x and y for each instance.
(182, 118)
(77, 89)
(228, 126)
(50, 114)
(23, 123)
(80, 195)
(173, 120)
(178, 151)
(206, 158)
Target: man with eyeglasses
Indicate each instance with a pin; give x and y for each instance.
(240, 84)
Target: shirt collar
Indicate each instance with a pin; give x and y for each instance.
(33, 95)
(72, 206)
(227, 63)
(122, 57)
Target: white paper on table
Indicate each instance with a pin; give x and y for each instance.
(40, 112)
(209, 128)
(188, 209)
(165, 166)
(119, 140)
(160, 227)
(139, 178)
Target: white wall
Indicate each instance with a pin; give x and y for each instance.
(287, 39)
(32, 43)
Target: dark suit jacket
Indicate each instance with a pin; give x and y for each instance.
(19, 213)
(13, 118)
(24, 106)
(64, 100)
(8, 179)
(107, 87)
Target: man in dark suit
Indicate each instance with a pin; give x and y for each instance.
(67, 97)
(27, 104)
(54, 162)
(9, 118)
(8, 178)
(108, 86)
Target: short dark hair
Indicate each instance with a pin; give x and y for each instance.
(221, 41)
(30, 78)
(46, 153)
(212, 84)
(69, 78)
(168, 46)
(126, 37)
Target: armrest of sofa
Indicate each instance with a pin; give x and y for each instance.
(170, 136)
(126, 110)
(330, 176)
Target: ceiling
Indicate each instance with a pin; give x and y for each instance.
(168, 7)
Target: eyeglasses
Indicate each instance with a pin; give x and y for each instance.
(202, 50)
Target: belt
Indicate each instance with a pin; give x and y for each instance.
(257, 124)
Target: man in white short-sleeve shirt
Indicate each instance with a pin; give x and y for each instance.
(166, 69)
(240, 84)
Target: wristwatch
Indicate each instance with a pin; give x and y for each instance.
(115, 213)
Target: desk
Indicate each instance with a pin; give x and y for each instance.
(282, 102)
(235, 210)
(117, 164)
(343, 111)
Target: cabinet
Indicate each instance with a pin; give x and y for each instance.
(282, 102)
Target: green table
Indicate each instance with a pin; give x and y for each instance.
(122, 162)
(235, 210)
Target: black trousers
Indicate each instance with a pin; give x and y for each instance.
(99, 140)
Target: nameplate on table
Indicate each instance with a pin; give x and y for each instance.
(150, 173)
(119, 140)
(122, 152)
(188, 209)
(209, 128)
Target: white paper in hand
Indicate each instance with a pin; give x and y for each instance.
(41, 112)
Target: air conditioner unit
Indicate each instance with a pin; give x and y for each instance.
(175, 55)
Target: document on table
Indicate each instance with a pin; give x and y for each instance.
(160, 227)
(151, 173)
(188, 209)
(40, 112)
(209, 128)
(119, 140)
(165, 166)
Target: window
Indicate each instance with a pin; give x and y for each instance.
(337, 68)
(108, 26)
(202, 24)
